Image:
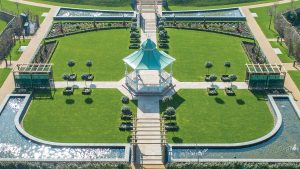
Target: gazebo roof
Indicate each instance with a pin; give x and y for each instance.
(148, 57)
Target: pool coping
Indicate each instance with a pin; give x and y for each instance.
(22, 112)
(242, 17)
(277, 115)
(56, 17)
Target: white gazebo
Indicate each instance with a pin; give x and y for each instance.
(148, 64)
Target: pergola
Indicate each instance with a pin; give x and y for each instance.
(33, 76)
(265, 76)
(148, 64)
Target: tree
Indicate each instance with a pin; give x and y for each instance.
(208, 65)
(292, 16)
(227, 66)
(66, 77)
(89, 64)
(272, 13)
(71, 64)
(167, 100)
(170, 111)
(232, 78)
(125, 100)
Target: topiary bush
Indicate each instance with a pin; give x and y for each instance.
(125, 109)
(125, 100)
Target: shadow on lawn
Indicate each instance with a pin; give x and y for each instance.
(176, 102)
(70, 101)
(219, 100)
(89, 100)
(177, 140)
(43, 94)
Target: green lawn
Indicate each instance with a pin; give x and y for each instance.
(295, 75)
(90, 4)
(284, 57)
(73, 119)
(2, 25)
(105, 48)
(192, 49)
(11, 6)
(3, 75)
(263, 18)
(15, 54)
(211, 4)
(220, 119)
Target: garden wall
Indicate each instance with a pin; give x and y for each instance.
(289, 33)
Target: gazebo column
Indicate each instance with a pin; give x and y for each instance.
(126, 74)
(171, 74)
(136, 80)
(160, 80)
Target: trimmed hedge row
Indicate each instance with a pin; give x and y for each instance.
(239, 29)
(63, 165)
(233, 165)
(60, 29)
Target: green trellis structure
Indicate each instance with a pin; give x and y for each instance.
(33, 76)
(265, 76)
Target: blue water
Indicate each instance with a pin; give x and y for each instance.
(209, 13)
(13, 145)
(284, 145)
(65, 12)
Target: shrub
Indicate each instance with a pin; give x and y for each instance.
(125, 110)
(161, 27)
(170, 110)
(134, 19)
(134, 35)
(125, 100)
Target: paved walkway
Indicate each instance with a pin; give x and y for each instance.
(29, 53)
(267, 48)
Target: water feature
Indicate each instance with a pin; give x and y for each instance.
(68, 13)
(281, 146)
(208, 14)
(14, 145)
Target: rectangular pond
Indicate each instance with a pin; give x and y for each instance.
(14, 146)
(89, 14)
(215, 14)
(283, 146)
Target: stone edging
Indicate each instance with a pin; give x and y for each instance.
(277, 115)
(22, 112)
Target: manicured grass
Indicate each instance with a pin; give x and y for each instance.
(263, 18)
(15, 54)
(3, 75)
(284, 57)
(90, 4)
(11, 6)
(105, 48)
(2, 25)
(295, 75)
(220, 119)
(78, 118)
(211, 4)
(193, 48)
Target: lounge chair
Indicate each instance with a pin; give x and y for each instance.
(68, 91)
(225, 78)
(207, 78)
(172, 126)
(229, 91)
(126, 126)
(72, 77)
(212, 91)
(87, 91)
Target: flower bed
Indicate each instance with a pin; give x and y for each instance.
(239, 29)
(45, 52)
(254, 53)
(67, 28)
